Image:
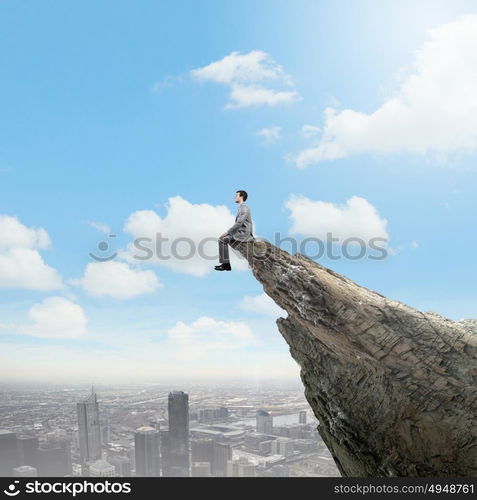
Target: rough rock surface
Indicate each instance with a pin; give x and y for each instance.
(394, 388)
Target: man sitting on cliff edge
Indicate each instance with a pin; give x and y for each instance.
(240, 231)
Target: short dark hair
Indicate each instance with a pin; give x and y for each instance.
(243, 194)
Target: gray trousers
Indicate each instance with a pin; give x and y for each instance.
(224, 248)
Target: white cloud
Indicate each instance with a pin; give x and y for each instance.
(262, 304)
(208, 337)
(21, 265)
(191, 233)
(55, 317)
(357, 218)
(308, 131)
(99, 226)
(434, 110)
(245, 75)
(117, 280)
(271, 134)
(166, 82)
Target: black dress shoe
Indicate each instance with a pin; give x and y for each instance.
(223, 267)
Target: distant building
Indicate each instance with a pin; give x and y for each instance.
(154, 423)
(259, 443)
(131, 454)
(8, 453)
(222, 453)
(264, 422)
(266, 447)
(200, 469)
(25, 471)
(89, 433)
(295, 431)
(102, 468)
(233, 467)
(283, 446)
(27, 450)
(54, 458)
(148, 452)
(247, 470)
(302, 417)
(202, 450)
(178, 408)
(165, 453)
(105, 433)
(240, 467)
(122, 464)
(211, 415)
(219, 432)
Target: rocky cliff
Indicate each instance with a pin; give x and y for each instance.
(394, 388)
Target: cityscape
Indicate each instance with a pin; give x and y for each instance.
(159, 431)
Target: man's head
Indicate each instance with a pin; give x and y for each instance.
(241, 196)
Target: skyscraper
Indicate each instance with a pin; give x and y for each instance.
(27, 450)
(54, 458)
(8, 452)
(178, 407)
(222, 453)
(165, 453)
(122, 464)
(147, 452)
(202, 450)
(264, 422)
(89, 430)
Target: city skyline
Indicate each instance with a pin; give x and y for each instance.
(148, 433)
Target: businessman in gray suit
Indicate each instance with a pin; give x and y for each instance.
(240, 231)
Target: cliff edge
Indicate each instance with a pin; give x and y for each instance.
(394, 388)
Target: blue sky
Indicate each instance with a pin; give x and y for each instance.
(121, 117)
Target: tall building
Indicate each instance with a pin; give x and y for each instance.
(89, 433)
(122, 465)
(27, 450)
(222, 453)
(165, 453)
(8, 453)
(148, 452)
(283, 446)
(178, 408)
(302, 417)
(54, 458)
(264, 422)
(233, 467)
(105, 433)
(202, 450)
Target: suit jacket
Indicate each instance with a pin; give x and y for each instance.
(243, 227)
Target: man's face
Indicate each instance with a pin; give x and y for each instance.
(238, 198)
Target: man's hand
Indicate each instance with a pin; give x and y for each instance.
(222, 235)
